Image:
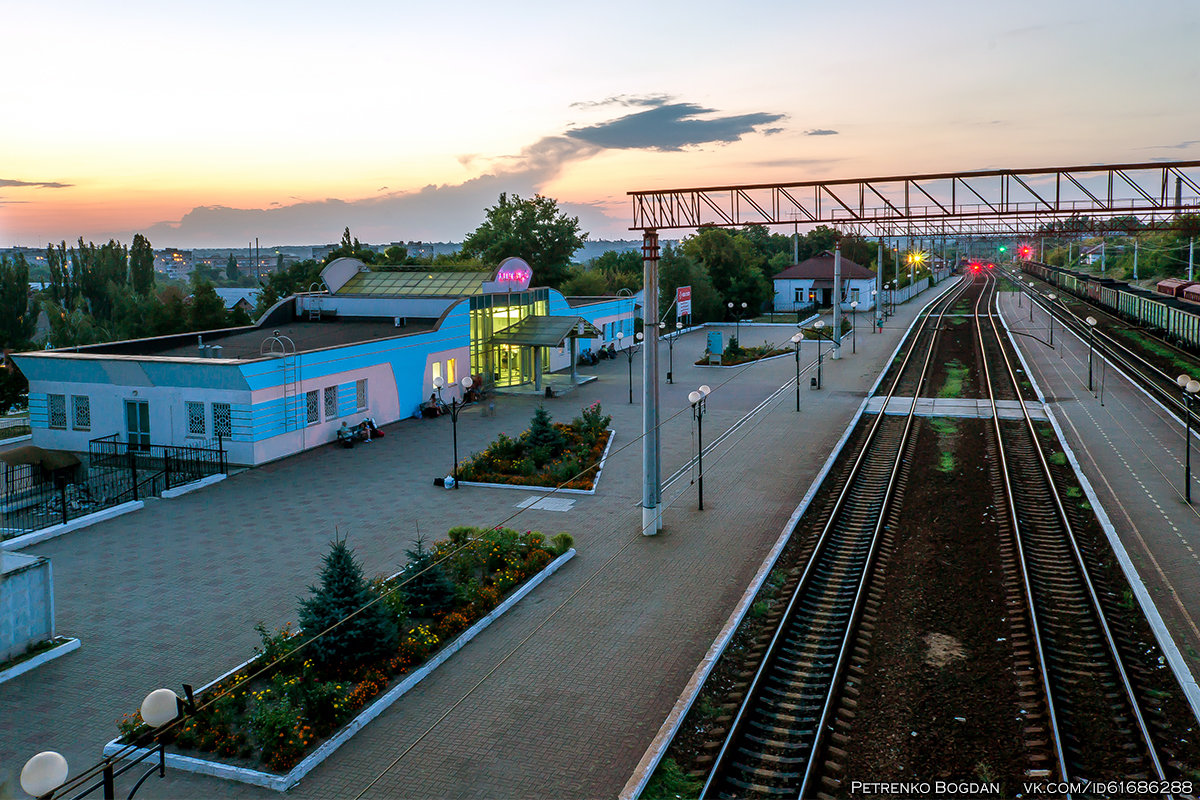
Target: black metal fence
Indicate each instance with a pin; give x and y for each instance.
(33, 497)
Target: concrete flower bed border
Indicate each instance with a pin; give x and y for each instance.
(282, 783)
(531, 488)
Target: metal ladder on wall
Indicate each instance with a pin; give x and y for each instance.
(283, 348)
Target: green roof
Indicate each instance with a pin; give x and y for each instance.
(417, 283)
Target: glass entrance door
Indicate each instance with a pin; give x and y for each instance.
(137, 424)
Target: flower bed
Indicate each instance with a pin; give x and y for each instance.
(304, 692)
(735, 354)
(547, 454)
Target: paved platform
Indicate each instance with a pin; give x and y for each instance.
(956, 407)
(560, 697)
(1131, 450)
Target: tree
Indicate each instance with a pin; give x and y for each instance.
(534, 230)
(17, 314)
(428, 588)
(584, 283)
(231, 268)
(94, 269)
(279, 262)
(141, 265)
(395, 255)
(350, 247)
(676, 269)
(208, 311)
(366, 636)
(64, 287)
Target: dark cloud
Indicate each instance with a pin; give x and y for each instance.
(447, 212)
(39, 184)
(670, 127)
(627, 100)
(820, 132)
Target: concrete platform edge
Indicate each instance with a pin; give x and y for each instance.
(1178, 666)
(28, 539)
(193, 486)
(281, 783)
(60, 649)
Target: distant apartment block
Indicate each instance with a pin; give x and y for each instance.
(173, 263)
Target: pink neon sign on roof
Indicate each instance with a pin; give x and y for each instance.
(515, 273)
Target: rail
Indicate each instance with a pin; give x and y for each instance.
(1057, 596)
(851, 554)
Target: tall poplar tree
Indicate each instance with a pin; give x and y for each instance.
(141, 265)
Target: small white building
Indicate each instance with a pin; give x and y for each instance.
(810, 283)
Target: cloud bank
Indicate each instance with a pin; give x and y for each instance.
(440, 212)
(38, 184)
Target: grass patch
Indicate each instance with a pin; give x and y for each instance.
(669, 782)
(946, 426)
(1074, 492)
(1058, 459)
(946, 463)
(956, 374)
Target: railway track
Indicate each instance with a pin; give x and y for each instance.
(1094, 718)
(789, 702)
(1136, 366)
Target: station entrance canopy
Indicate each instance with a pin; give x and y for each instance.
(1050, 200)
(545, 331)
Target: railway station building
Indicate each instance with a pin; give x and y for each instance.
(811, 283)
(370, 343)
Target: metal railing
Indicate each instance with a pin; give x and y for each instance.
(33, 497)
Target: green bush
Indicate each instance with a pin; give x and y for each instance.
(561, 543)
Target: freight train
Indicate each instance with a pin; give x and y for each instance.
(1175, 319)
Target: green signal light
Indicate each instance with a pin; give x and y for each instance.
(1002, 248)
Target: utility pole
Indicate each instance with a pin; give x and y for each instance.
(1135, 255)
(651, 482)
(1191, 253)
(837, 301)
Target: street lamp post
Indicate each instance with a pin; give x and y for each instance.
(737, 315)
(819, 325)
(456, 406)
(875, 312)
(1031, 303)
(699, 401)
(1050, 314)
(662, 326)
(1091, 323)
(797, 338)
(1189, 388)
(853, 327)
(629, 353)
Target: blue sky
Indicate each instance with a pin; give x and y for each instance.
(208, 124)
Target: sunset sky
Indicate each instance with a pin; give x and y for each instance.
(208, 124)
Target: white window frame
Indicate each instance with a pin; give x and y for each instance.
(187, 419)
(81, 402)
(312, 407)
(331, 403)
(62, 399)
(227, 434)
(361, 398)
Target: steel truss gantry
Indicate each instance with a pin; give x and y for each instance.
(1032, 202)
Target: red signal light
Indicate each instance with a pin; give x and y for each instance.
(975, 267)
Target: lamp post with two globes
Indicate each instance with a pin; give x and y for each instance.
(47, 771)
(456, 406)
(699, 401)
(629, 353)
(662, 326)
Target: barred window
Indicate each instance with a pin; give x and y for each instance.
(360, 394)
(81, 412)
(314, 407)
(330, 402)
(195, 419)
(58, 410)
(222, 420)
